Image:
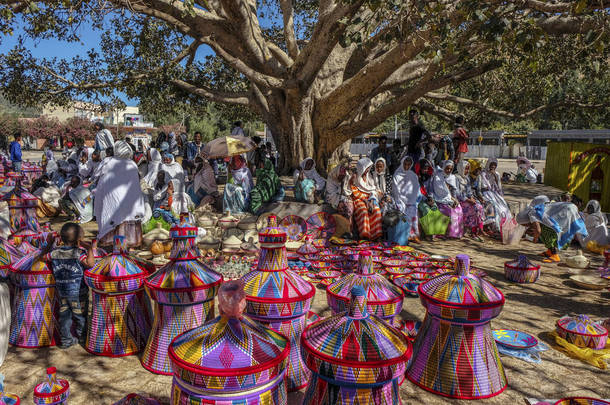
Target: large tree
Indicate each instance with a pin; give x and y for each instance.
(317, 72)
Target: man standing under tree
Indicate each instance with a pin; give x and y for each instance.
(382, 150)
(237, 130)
(15, 152)
(192, 150)
(103, 139)
(460, 139)
(418, 136)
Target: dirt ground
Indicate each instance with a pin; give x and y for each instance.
(531, 307)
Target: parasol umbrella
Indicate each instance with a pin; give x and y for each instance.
(228, 146)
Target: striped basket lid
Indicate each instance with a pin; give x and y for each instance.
(377, 288)
(19, 197)
(52, 390)
(184, 240)
(29, 265)
(581, 325)
(522, 263)
(461, 289)
(119, 265)
(8, 253)
(231, 351)
(272, 282)
(356, 340)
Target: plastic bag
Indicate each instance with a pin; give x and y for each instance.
(512, 232)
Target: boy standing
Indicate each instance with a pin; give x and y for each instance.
(68, 263)
(15, 152)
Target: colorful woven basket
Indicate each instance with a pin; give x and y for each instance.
(521, 270)
(34, 319)
(22, 209)
(6, 398)
(321, 225)
(582, 332)
(183, 293)
(279, 298)
(459, 308)
(120, 311)
(229, 360)
(355, 357)
(8, 255)
(53, 390)
(294, 226)
(384, 299)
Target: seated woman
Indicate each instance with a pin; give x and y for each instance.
(555, 224)
(308, 184)
(77, 202)
(440, 191)
(406, 194)
(339, 191)
(496, 209)
(473, 211)
(173, 171)
(383, 182)
(163, 199)
(366, 203)
(268, 185)
(236, 198)
(596, 224)
(154, 165)
(204, 188)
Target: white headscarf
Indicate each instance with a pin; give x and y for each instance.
(405, 186)
(492, 178)
(175, 172)
(205, 179)
(312, 174)
(364, 183)
(122, 150)
(440, 189)
(379, 178)
(336, 189)
(530, 214)
(153, 167)
(597, 217)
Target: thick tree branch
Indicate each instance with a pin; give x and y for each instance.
(240, 98)
(559, 25)
(289, 37)
(470, 103)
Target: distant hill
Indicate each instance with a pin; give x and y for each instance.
(10, 109)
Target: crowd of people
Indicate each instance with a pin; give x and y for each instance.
(426, 189)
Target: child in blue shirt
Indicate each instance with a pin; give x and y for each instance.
(68, 263)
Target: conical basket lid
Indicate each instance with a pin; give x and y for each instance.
(461, 288)
(581, 325)
(271, 282)
(52, 390)
(356, 340)
(378, 290)
(230, 351)
(522, 263)
(118, 271)
(8, 253)
(29, 265)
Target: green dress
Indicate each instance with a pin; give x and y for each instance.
(268, 184)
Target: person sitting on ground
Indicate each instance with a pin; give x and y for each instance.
(173, 171)
(383, 183)
(68, 263)
(163, 199)
(309, 186)
(204, 188)
(555, 224)
(76, 201)
(497, 210)
(442, 191)
(366, 203)
(268, 185)
(474, 213)
(236, 198)
(339, 191)
(596, 224)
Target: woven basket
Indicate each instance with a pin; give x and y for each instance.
(582, 332)
(521, 271)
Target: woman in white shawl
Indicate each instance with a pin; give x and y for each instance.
(555, 224)
(236, 198)
(308, 184)
(86, 166)
(174, 170)
(497, 210)
(383, 182)
(474, 213)
(406, 194)
(77, 201)
(119, 203)
(154, 164)
(338, 191)
(366, 202)
(204, 188)
(441, 188)
(597, 225)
